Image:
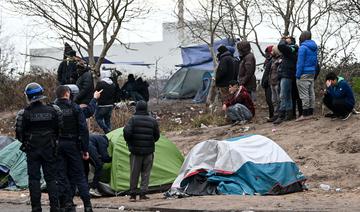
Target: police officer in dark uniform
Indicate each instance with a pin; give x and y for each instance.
(73, 148)
(38, 127)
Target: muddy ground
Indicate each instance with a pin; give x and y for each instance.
(327, 152)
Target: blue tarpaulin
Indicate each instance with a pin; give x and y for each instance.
(199, 57)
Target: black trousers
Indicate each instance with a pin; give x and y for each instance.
(140, 164)
(44, 158)
(71, 174)
(95, 160)
(337, 106)
(269, 101)
(296, 99)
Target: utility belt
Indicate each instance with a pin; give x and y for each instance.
(69, 136)
(39, 141)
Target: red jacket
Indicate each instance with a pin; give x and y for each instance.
(241, 96)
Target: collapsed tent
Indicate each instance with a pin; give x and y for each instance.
(197, 60)
(13, 169)
(203, 91)
(250, 165)
(167, 163)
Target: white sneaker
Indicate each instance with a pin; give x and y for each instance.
(95, 192)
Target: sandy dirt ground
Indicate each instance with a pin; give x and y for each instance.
(327, 152)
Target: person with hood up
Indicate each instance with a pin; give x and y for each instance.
(274, 81)
(305, 73)
(247, 67)
(140, 133)
(143, 88)
(265, 80)
(338, 97)
(286, 75)
(225, 71)
(130, 87)
(98, 145)
(84, 83)
(105, 102)
(66, 73)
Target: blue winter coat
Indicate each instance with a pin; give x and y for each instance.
(307, 58)
(342, 90)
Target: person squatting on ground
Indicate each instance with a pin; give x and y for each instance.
(239, 107)
(225, 71)
(338, 97)
(73, 148)
(286, 73)
(274, 81)
(140, 133)
(247, 67)
(37, 128)
(99, 155)
(305, 74)
(105, 102)
(265, 84)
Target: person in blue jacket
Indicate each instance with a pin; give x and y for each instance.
(98, 145)
(305, 73)
(338, 97)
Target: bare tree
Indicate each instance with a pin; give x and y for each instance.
(203, 24)
(241, 20)
(7, 56)
(284, 10)
(83, 22)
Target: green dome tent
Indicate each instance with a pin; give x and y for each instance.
(167, 163)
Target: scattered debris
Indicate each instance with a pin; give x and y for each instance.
(203, 126)
(325, 187)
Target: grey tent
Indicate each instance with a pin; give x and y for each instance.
(188, 79)
(184, 83)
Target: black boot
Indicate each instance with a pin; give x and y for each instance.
(88, 209)
(143, 196)
(56, 209)
(272, 119)
(132, 198)
(311, 111)
(280, 118)
(289, 115)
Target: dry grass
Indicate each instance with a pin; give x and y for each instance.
(12, 91)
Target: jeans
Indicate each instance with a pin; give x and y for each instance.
(275, 97)
(103, 118)
(239, 112)
(286, 103)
